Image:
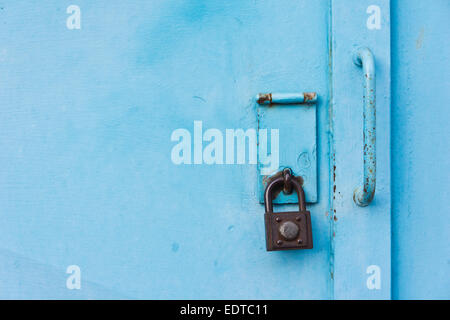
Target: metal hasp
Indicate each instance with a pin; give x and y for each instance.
(289, 118)
(364, 194)
(286, 98)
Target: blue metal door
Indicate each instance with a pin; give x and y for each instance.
(122, 175)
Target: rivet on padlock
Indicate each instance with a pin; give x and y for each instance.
(287, 230)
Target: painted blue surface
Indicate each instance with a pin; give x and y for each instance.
(87, 179)
(297, 147)
(421, 149)
(86, 173)
(361, 235)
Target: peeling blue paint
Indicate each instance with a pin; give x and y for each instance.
(364, 194)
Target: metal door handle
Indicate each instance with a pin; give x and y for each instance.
(364, 194)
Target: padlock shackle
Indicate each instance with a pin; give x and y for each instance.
(278, 183)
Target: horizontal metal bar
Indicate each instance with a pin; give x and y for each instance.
(286, 98)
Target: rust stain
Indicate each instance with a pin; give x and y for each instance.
(309, 96)
(334, 183)
(264, 97)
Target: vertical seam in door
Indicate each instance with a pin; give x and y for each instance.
(332, 167)
(390, 124)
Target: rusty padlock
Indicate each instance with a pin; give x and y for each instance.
(287, 230)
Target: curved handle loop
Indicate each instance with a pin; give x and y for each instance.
(276, 184)
(364, 194)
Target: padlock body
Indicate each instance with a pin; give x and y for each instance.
(275, 222)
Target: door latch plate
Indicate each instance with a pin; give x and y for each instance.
(294, 116)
